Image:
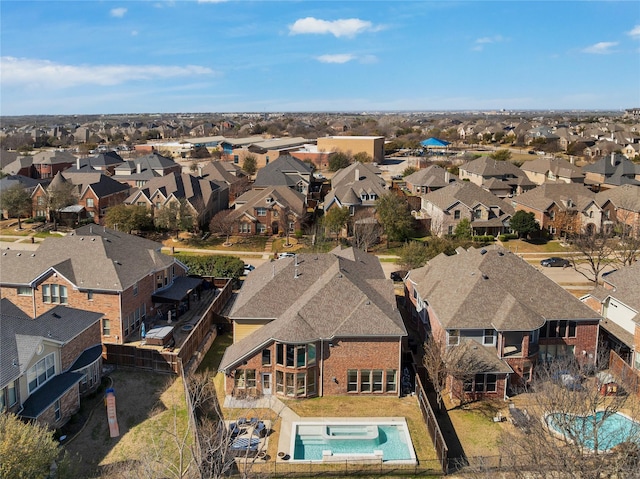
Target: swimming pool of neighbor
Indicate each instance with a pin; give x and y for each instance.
(608, 431)
(340, 440)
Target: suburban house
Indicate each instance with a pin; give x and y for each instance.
(446, 207)
(202, 197)
(618, 301)
(48, 163)
(552, 170)
(94, 193)
(561, 208)
(274, 210)
(502, 178)
(48, 362)
(357, 187)
(317, 324)
(122, 276)
(105, 162)
(352, 145)
(285, 171)
(504, 313)
(631, 151)
(610, 171)
(621, 205)
(138, 171)
(428, 179)
(21, 165)
(543, 134)
(226, 172)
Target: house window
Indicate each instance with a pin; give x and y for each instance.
(56, 410)
(279, 382)
(289, 385)
(638, 360)
(90, 295)
(40, 200)
(106, 327)
(245, 378)
(41, 372)
(365, 381)
(236, 159)
(261, 211)
(245, 228)
(301, 356)
(450, 230)
(12, 393)
(25, 291)
(291, 351)
(311, 354)
(391, 383)
(89, 202)
(453, 336)
(301, 384)
(311, 382)
(267, 160)
(377, 381)
(526, 372)
(482, 383)
(488, 338)
(135, 288)
(54, 293)
(352, 380)
(261, 228)
(477, 214)
(559, 329)
(456, 215)
(266, 357)
(280, 354)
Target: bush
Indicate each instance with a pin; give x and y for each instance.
(298, 234)
(483, 239)
(508, 236)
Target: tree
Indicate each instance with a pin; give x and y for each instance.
(394, 216)
(59, 197)
(503, 154)
(222, 223)
(524, 223)
(409, 170)
(27, 450)
(250, 165)
(338, 160)
(176, 216)
(128, 218)
(16, 201)
(463, 229)
(413, 254)
(218, 266)
(362, 157)
(366, 229)
(336, 219)
(200, 152)
(595, 251)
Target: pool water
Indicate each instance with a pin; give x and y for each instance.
(608, 432)
(355, 440)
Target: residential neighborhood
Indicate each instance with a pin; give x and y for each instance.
(275, 267)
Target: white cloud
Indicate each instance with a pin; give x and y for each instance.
(348, 27)
(482, 41)
(635, 32)
(134, 33)
(118, 12)
(51, 75)
(338, 58)
(600, 48)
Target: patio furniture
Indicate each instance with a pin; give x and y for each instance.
(245, 445)
(260, 429)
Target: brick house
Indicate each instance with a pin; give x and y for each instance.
(139, 171)
(48, 163)
(269, 211)
(618, 301)
(612, 170)
(48, 362)
(621, 205)
(226, 172)
(507, 314)
(552, 170)
(448, 206)
(561, 208)
(428, 179)
(315, 325)
(94, 269)
(357, 187)
(501, 178)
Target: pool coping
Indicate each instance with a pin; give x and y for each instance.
(285, 441)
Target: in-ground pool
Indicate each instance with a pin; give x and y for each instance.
(339, 440)
(607, 431)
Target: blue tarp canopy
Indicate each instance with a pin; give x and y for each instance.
(434, 143)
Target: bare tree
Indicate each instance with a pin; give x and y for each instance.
(222, 223)
(595, 250)
(627, 231)
(366, 229)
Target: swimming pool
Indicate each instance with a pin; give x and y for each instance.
(608, 432)
(339, 440)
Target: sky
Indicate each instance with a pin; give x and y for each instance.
(170, 56)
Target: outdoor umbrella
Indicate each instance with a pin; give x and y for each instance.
(143, 331)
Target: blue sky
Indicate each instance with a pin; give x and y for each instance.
(86, 57)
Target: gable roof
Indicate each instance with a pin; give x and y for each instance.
(315, 296)
(558, 166)
(282, 195)
(626, 286)
(568, 196)
(224, 171)
(493, 288)
(488, 167)
(121, 259)
(433, 176)
(617, 170)
(625, 196)
(284, 170)
(467, 193)
(20, 335)
(101, 184)
(53, 157)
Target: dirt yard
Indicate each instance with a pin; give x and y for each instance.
(146, 404)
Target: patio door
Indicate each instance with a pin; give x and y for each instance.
(266, 384)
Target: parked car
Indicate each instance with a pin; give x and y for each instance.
(248, 268)
(607, 273)
(397, 177)
(285, 255)
(555, 262)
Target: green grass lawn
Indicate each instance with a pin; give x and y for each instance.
(524, 246)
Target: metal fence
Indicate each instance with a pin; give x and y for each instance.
(439, 444)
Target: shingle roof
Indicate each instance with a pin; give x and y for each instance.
(467, 193)
(626, 197)
(558, 166)
(283, 195)
(626, 282)
(20, 335)
(316, 296)
(485, 167)
(495, 289)
(53, 157)
(284, 170)
(100, 183)
(44, 397)
(545, 195)
(221, 171)
(120, 259)
(433, 176)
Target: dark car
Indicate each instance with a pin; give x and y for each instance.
(555, 262)
(398, 275)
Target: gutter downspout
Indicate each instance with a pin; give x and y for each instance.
(399, 375)
(321, 367)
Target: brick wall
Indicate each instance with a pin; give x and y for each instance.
(89, 337)
(69, 405)
(593, 303)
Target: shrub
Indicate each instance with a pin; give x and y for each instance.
(508, 236)
(298, 234)
(483, 239)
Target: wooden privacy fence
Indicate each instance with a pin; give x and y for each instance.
(129, 355)
(442, 451)
(629, 377)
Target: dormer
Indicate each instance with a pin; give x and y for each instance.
(268, 200)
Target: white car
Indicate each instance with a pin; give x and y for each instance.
(285, 255)
(248, 268)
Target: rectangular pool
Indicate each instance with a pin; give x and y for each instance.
(339, 439)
